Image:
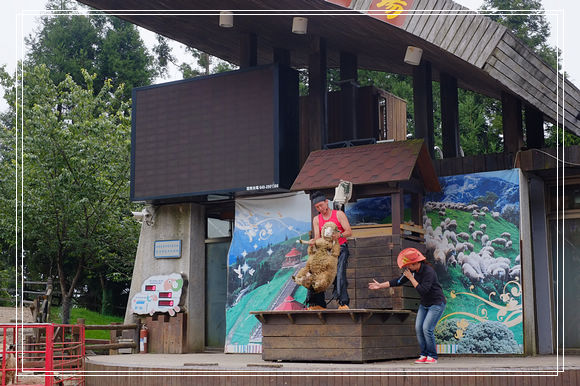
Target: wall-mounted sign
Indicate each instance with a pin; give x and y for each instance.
(159, 294)
(167, 249)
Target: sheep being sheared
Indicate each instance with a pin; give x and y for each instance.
(320, 269)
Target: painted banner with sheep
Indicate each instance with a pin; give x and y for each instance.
(472, 235)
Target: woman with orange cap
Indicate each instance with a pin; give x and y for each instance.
(424, 279)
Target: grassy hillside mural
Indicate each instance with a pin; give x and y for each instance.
(262, 258)
(472, 239)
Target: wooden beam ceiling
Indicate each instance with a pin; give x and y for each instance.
(378, 46)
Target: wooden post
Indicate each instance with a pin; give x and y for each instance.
(541, 262)
(417, 208)
(76, 335)
(136, 336)
(248, 50)
(527, 271)
(396, 216)
(348, 77)
(317, 93)
(281, 56)
(114, 339)
(534, 127)
(449, 116)
(512, 123)
(423, 102)
(81, 321)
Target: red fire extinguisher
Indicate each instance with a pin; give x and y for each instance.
(143, 333)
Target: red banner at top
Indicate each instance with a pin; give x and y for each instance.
(390, 11)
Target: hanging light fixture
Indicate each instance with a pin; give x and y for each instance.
(413, 55)
(299, 25)
(226, 19)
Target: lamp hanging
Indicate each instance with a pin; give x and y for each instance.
(226, 19)
(413, 55)
(299, 25)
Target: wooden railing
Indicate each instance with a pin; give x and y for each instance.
(116, 341)
(37, 295)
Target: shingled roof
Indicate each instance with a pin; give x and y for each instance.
(368, 164)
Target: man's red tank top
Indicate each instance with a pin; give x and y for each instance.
(333, 218)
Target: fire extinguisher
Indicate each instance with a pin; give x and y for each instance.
(143, 333)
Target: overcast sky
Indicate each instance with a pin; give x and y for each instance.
(13, 27)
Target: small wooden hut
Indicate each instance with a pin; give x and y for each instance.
(385, 169)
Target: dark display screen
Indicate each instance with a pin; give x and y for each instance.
(213, 134)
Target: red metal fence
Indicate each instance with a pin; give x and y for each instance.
(43, 354)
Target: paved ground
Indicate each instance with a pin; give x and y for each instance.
(219, 361)
(11, 314)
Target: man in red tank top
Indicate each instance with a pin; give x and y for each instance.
(317, 300)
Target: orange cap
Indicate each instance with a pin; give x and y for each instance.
(409, 256)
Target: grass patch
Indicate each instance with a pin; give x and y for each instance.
(453, 279)
(238, 317)
(90, 317)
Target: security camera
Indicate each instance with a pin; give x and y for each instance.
(138, 216)
(146, 215)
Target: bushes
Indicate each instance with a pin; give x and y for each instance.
(511, 213)
(445, 331)
(488, 338)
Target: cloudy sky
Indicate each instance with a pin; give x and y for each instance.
(18, 19)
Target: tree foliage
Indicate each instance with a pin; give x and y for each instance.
(69, 42)
(488, 200)
(203, 64)
(531, 28)
(76, 146)
(75, 163)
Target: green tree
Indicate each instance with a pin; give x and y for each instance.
(488, 200)
(204, 64)
(65, 44)
(108, 46)
(75, 167)
(534, 30)
(480, 124)
(123, 57)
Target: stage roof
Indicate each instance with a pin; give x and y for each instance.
(481, 54)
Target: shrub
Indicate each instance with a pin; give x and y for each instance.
(488, 338)
(445, 331)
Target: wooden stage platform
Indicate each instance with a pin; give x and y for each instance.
(355, 335)
(250, 370)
